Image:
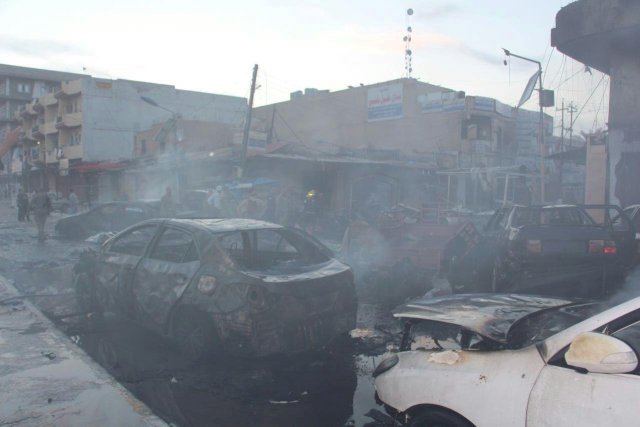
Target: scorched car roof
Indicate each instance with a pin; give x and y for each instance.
(225, 224)
(490, 316)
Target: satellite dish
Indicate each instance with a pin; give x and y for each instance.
(409, 11)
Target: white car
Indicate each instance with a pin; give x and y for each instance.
(514, 360)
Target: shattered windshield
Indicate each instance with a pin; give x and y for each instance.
(541, 325)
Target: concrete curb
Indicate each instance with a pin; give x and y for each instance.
(46, 380)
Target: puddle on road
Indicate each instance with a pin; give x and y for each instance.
(332, 389)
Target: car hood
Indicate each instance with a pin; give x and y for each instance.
(490, 316)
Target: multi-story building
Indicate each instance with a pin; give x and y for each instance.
(18, 87)
(87, 127)
(358, 141)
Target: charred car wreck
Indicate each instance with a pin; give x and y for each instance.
(249, 287)
(558, 250)
(114, 216)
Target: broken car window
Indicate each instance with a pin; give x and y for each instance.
(175, 246)
(233, 244)
(134, 242)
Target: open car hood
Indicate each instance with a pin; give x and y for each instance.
(488, 315)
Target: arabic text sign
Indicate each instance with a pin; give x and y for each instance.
(436, 102)
(384, 102)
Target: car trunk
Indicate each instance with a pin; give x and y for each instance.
(561, 243)
(302, 310)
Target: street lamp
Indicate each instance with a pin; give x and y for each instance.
(155, 104)
(541, 124)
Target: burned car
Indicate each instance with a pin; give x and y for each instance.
(556, 362)
(560, 249)
(114, 216)
(248, 287)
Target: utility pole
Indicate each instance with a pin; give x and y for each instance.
(571, 109)
(247, 123)
(541, 124)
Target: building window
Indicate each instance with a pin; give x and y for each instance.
(143, 147)
(75, 138)
(24, 88)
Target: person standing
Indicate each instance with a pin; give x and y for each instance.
(22, 201)
(166, 204)
(41, 207)
(73, 202)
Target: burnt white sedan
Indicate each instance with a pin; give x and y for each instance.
(514, 360)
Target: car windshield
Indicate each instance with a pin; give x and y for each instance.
(550, 216)
(545, 323)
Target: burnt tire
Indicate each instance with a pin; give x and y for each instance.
(195, 334)
(438, 418)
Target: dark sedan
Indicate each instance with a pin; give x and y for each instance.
(250, 287)
(558, 250)
(114, 216)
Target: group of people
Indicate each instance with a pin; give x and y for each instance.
(39, 204)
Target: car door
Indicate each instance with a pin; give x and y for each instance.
(118, 261)
(164, 274)
(565, 397)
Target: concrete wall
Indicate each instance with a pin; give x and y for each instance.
(330, 122)
(113, 112)
(605, 34)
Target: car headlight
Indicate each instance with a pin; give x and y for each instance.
(385, 365)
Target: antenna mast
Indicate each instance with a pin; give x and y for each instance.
(407, 45)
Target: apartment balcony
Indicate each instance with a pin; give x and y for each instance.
(72, 151)
(49, 128)
(27, 111)
(37, 132)
(69, 89)
(69, 120)
(48, 100)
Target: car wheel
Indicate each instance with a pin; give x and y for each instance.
(195, 333)
(438, 418)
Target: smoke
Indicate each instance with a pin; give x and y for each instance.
(629, 289)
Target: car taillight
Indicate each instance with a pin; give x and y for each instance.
(534, 246)
(207, 284)
(602, 246)
(610, 248)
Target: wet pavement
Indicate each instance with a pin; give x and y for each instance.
(329, 388)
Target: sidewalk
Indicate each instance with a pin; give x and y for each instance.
(45, 380)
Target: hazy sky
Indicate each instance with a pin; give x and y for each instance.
(211, 45)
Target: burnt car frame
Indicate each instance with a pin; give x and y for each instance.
(556, 249)
(112, 216)
(248, 287)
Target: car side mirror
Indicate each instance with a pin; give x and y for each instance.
(601, 353)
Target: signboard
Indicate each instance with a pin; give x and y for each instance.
(384, 102)
(529, 89)
(484, 104)
(442, 102)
